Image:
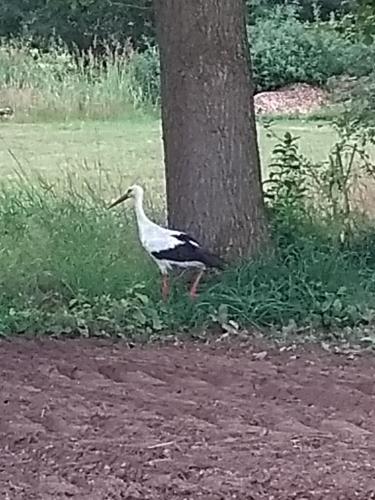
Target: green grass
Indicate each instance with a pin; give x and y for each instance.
(68, 265)
(99, 152)
(125, 150)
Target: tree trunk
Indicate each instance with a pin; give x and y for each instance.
(211, 154)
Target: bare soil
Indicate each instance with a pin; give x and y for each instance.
(89, 421)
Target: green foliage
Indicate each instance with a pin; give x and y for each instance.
(286, 50)
(85, 24)
(146, 75)
(365, 19)
(307, 9)
(286, 187)
(357, 96)
(340, 177)
(321, 193)
(309, 283)
(359, 23)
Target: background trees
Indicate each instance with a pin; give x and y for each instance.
(80, 21)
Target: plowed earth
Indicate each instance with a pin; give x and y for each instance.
(88, 421)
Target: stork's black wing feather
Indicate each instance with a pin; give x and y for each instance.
(185, 238)
(187, 252)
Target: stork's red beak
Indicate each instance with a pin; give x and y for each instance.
(120, 200)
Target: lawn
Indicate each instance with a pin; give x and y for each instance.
(113, 152)
(99, 152)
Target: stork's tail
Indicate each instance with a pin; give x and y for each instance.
(213, 260)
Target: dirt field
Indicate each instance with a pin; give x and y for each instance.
(80, 420)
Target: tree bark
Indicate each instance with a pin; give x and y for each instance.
(211, 154)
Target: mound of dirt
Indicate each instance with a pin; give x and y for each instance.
(299, 98)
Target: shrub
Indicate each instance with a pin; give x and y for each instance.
(357, 95)
(285, 50)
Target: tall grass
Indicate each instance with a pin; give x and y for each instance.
(59, 245)
(69, 265)
(59, 84)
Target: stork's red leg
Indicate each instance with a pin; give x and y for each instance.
(165, 287)
(193, 290)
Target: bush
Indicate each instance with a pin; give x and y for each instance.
(357, 95)
(285, 51)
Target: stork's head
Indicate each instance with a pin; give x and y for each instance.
(134, 191)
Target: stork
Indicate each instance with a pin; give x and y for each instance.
(169, 248)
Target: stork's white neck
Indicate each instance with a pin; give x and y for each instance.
(142, 219)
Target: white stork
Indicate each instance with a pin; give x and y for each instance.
(167, 247)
